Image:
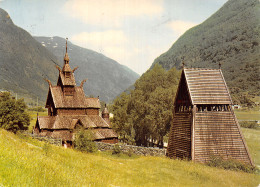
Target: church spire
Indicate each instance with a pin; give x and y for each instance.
(66, 57)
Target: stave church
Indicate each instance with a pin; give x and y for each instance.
(69, 110)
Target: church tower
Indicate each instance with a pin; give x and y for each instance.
(105, 115)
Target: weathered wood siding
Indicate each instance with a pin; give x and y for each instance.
(71, 111)
(92, 111)
(179, 144)
(111, 141)
(218, 134)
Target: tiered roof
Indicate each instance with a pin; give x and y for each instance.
(62, 125)
(68, 101)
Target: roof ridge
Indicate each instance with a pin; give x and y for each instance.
(200, 69)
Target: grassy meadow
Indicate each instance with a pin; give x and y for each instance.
(252, 137)
(28, 162)
(247, 115)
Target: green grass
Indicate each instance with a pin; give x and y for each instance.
(27, 162)
(247, 115)
(252, 137)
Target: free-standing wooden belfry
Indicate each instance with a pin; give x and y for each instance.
(204, 124)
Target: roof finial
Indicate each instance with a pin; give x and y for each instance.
(219, 65)
(183, 64)
(66, 57)
(66, 45)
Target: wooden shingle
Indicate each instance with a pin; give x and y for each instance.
(207, 86)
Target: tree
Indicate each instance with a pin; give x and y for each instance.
(13, 116)
(147, 110)
(121, 122)
(84, 141)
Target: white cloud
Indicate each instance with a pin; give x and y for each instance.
(111, 43)
(114, 44)
(111, 13)
(180, 27)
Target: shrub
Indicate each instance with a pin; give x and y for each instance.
(84, 141)
(116, 149)
(249, 124)
(130, 152)
(230, 164)
(13, 116)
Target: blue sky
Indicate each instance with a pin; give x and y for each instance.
(132, 32)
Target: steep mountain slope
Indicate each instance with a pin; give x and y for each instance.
(24, 63)
(106, 77)
(231, 37)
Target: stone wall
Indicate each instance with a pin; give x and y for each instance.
(50, 140)
(146, 151)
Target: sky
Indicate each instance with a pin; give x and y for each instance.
(132, 32)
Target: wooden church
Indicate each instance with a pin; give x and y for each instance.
(204, 124)
(69, 109)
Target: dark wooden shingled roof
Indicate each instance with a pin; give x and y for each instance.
(69, 81)
(69, 121)
(104, 133)
(62, 124)
(92, 102)
(207, 86)
(99, 134)
(77, 100)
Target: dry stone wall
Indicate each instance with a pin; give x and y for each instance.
(146, 151)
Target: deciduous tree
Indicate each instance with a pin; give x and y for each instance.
(13, 116)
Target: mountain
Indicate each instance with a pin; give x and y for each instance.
(231, 37)
(106, 77)
(24, 63)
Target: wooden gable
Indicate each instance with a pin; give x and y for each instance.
(67, 79)
(182, 96)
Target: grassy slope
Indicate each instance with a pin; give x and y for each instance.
(252, 137)
(26, 161)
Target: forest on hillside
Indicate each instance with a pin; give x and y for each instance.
(229, 37)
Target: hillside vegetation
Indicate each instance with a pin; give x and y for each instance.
(26, 162)
(24, 63)
(231, 37)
